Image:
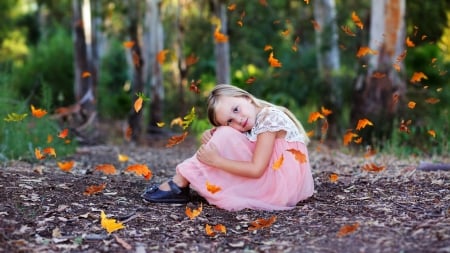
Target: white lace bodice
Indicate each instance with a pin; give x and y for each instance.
(273, 120)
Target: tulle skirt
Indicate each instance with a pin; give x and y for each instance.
(279, 188)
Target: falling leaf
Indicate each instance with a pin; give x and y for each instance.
(357, 20)
(15, 117)
(358, 140)
(348, 229)
(189, 118)
(362, 123)
(128, 44)
(299, 156)
(404, 126)
(364, 51)
(63, 134)
(194, 86)
(160, 124)
(432, 133)
(395, 98)
(285, 33)
(212, 188)
(231, 7)
(378, 75)
(417, 77)
(177, 121)
(396, 67)
(371, 167)
(315, 116)
(161, 56)
(348, 31)
(315, 25)
(348, 137)
(106, 168)
(174, 140)
(38, 154)
(411, 104)
(122, 158)
(192, 213)
(306, 1)
(268, 48)
(402, 56)
(128, 133)
(409, 42)
(140, 170)
(240, 23)
(220, 37)
(110, 224)
(274, 62)
(138, 104)
(49, 151)
(38, 113)
(66, 166)
(250, 80)
(191, 60)
(211, 230)
(432, 100)
(310, 133)
(277, 164)
(333, 177)
(325, 111)
(93, 189)
(49, 138)
(85, 74)
(262, 223)
(263, 3)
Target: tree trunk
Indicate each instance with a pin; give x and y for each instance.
(222, 50)
(181, 68)
(328, 61)
(381, 86)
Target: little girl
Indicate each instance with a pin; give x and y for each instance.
(255, 157)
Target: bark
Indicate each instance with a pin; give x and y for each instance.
(328, 60)
(181, 69)
(222, 50)
(376, 96)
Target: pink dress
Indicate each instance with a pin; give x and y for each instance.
(281, 186)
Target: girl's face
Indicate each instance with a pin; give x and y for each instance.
(236, 112)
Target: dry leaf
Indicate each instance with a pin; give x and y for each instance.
(357, 20)
(273, 61)
(192, 213)
(262, 223)
(106, 168)
(174, 140)
(122, 158)
(432, 100)
(38, 154)
(333, 177)
(371, 167)
(364, 51)
(63, 134)
(110, 224)
(211, 230)
(138, 104)
(417, 77)
(315, 116)
(49, 151)
(348, 229)
(128, 44)
(277, 164)
(432, 133)
(93, 189)
(212, 188)
(66, 166)
(161, 56)
(38, 113)
(348, 31)
(348, 137)
(362, 123)
(141, 170)
(299, 156)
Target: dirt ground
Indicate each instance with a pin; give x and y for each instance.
(400, 209)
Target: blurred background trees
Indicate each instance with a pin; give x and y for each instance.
(91, 58)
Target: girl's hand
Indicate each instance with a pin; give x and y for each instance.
(208, 154)
(206, 136)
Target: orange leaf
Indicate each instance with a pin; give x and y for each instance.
(140, 170)
(285, 32)
(333, 177)
(110, 225)
(409, 42)
(93, 189)
(358, 140)
(220, 37)
(401, 56)
(411, 104)
(192, 213)
(49, 151)
(314, 116)
(277, 164)
(177, 139)
(138, 104)
(371, 167)
(378, 75)
(299, 156)
(310, 133)
(348, 31)
(212, 188)
(274, 62)
(306, 1)
(191, 60)
(38, 113)
(268, 48)
(106, 168)
(362, 123)
(348, 136)
(432, 100)
(63, 134)
(262, 223)
(231, 7)
(85, 74)
(315, 25)
(128, 44)
(38, 154)
(417, 77)
(66, 166)
(348, 229)
(404, 126)
(325, 111)
(211, 230)
(364, 51)
(250, 80)
(161, 56)
(357, 21)
(240, 23)
(432, 133)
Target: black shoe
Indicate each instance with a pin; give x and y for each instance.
(175, 195)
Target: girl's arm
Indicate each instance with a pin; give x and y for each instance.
(253, 169)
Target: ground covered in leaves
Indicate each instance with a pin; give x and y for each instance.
(400, 209)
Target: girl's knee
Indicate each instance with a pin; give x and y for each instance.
(226, 130)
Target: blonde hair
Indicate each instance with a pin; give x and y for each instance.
(233, 91)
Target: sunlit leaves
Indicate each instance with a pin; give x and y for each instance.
(140, 170)
(37, 112)
(262, 223)
(193, 213)
(106, 168)
(11, 117)
(357, 20)
(93, 189)
(274, 62)
(348, 229)
(315, 116)
(110, 225)
(212, 188)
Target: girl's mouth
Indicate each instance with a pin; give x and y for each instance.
(245, 123)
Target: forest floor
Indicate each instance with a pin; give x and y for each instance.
(399, 209)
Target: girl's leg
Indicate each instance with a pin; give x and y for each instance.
(178, 179)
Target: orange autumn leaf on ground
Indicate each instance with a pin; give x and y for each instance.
(63, 134)
(110, 225)
(315, 116)
(274, 62)
(371, 167)
(106, 168)
(38, 154)
(93, 189)
(333, 177)
(161, 56)
(348, 229)
(348, 137)
(357, 20)
(299, 156)
(212, 230)
(66, 166)
(192, 213)
(362, 123)
(128, 44)
(417, 77)
(212, 188)
(277, 164)
(38, 113)
(49, 151)
(177, 139)
(363, 51)
(262, 223)
(141, 170)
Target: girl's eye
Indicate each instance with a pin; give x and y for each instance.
(235, 109)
